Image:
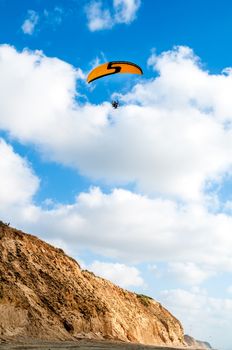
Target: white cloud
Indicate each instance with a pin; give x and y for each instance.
(43, 89)
(229, 289)
(18, 183)
(206, 318)
(189, 273)
(161, 230)
(183, 82)
(120, 274)
(125, 10)
(132, 227)
(100, 17)
(167, 145)
(51, 18)
(28, 26)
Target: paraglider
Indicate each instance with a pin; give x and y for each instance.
(113, 67)
(115, 104)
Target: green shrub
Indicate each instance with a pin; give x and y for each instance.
(144, 299)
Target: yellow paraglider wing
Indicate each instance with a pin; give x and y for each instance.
(112, 68)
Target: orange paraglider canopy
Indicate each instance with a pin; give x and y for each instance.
(113, 68)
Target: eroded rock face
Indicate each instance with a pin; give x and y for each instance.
(45, 294)
(199, 344)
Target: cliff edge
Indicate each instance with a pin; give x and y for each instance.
(44, 294)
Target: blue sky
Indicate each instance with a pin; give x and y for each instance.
(141, 195)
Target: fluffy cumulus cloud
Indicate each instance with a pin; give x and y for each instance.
(182, 82)
(100, 17)
(207, 318)
(28, 26)
(18, 183)
(125, 10)
(189, 273)
(173, 137)
(131, 227)
(121, 274)
(43, 91)
(136, 228)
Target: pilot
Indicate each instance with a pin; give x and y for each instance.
(115, 104)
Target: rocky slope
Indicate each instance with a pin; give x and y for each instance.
(45, 294)
(199, 344)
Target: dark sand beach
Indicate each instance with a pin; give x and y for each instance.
(81, 345)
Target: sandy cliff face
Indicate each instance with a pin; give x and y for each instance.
(196, 344)
(45, 294)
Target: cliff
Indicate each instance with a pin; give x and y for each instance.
(44, 294)
(199, 344)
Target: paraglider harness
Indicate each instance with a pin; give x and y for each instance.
(115, 104)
